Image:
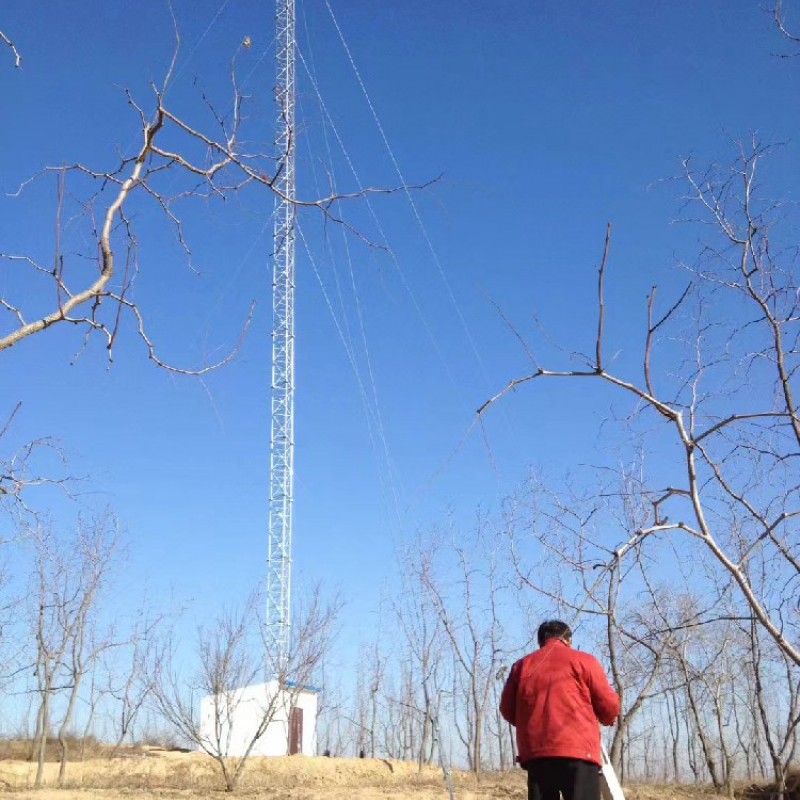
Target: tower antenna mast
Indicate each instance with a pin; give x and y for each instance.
(281, 477)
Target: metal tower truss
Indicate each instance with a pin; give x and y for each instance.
(282, 433)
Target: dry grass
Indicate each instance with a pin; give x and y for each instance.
(153, 773)
(160, 773)
(79, 749)
(769, 791)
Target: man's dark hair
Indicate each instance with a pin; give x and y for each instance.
(553, 629)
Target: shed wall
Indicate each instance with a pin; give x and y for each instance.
(234, 731)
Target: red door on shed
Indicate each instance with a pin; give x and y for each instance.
(295, 731)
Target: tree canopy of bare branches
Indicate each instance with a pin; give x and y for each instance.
(174, 163)
(69, 576)
(729, 402)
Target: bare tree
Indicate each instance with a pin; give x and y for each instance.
(233, 655)
(558, 546)
(730, 404)
(471, 623)
(418, 620)
(69, 576)
(693, 673)
(374, 662)
(778, 720)
(166, 171)
(132, 685)
(330, 713)
(178, 161)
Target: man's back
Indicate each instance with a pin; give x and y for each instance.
(555, 697)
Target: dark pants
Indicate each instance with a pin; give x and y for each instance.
(574, 779)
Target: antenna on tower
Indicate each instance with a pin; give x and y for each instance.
(281, 478)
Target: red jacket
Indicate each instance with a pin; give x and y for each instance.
(555, 697)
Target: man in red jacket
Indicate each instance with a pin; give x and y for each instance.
(555, 698)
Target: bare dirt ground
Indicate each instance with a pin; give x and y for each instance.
(165, 775)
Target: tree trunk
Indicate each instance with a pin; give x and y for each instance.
(43, 731)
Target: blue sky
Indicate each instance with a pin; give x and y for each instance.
(546, 121)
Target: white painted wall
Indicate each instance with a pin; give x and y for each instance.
(247, 708)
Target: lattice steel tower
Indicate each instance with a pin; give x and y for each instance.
(281, 477)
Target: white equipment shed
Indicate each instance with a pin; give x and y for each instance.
(292, 728)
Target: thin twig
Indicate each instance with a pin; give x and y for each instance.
(17, 56)
(601, 309)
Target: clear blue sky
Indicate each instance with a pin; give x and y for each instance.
(546, 119)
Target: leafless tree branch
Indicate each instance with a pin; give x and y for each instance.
(729, 200)
(166, 144)
(10, 44)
